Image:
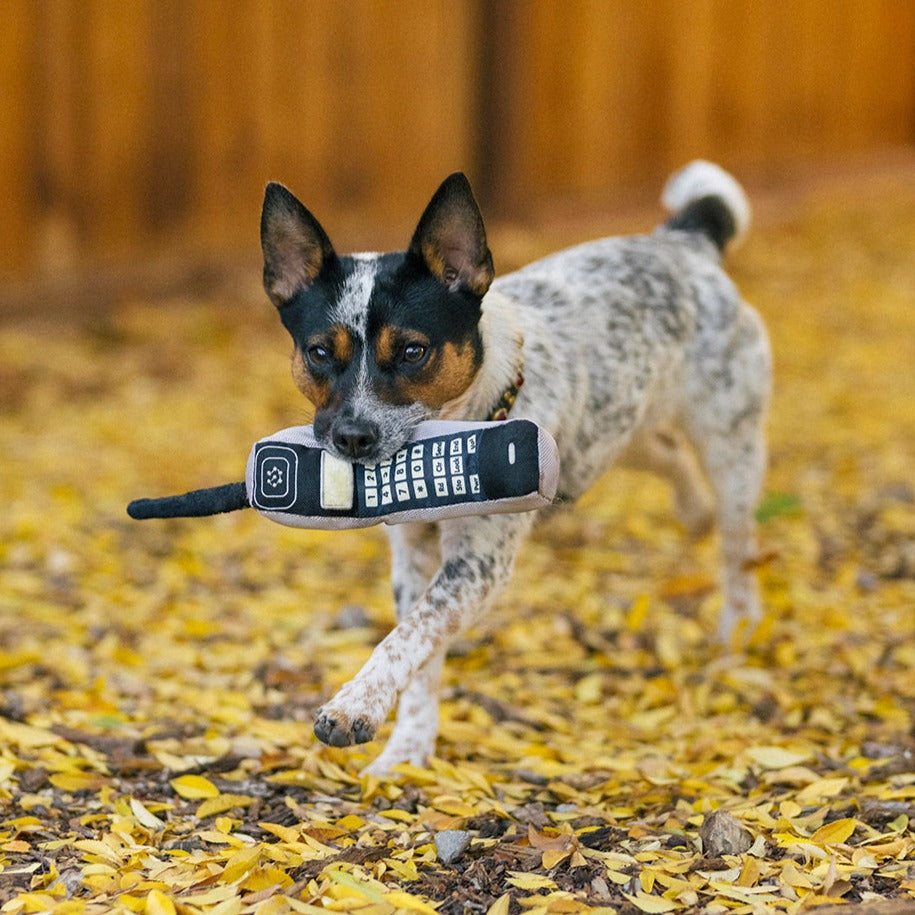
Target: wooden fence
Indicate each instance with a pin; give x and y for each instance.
(136, 126)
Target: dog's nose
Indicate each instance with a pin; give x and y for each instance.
(355, 439)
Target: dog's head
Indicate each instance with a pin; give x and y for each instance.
(382, 341)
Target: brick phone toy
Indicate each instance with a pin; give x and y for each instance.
(446, 470)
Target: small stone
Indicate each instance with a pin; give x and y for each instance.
(721, 835)
(451, 844)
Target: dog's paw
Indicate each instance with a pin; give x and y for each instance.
(337, 729)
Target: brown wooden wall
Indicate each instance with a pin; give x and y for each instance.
(134, 126)
(634, 89)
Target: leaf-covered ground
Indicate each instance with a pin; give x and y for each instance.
(159, 679)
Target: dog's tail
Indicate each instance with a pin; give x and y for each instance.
(704, 198)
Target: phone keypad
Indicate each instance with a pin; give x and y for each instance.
(422, 475)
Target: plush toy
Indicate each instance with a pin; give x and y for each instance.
(446, 470)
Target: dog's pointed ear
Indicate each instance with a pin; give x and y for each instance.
(295, 246)
(451, 239)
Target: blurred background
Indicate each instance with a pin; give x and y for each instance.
(136, 136)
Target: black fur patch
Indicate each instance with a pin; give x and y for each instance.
(709, 215)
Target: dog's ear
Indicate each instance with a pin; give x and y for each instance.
(295, 246)
(451, 240)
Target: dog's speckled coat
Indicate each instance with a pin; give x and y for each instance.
(637, 350)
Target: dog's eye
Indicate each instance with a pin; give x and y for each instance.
(414, 353)
(318, 355)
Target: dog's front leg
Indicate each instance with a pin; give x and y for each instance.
(477, 559)
(415, 556)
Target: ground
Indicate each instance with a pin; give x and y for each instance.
(159, 679)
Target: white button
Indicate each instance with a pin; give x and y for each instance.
(472, 444)
(456, 446)
(386, 474)
(458, 484)
(370, 479)
(474, 483)
(438, 449)
(441, 486)
(403, 492)
(371, 498)
(438, 467)
(386, 497)
(417, 469)
(457, 466)
(400, 472)
(419, 487)
(416, 452)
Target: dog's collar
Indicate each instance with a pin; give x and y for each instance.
(509, 395)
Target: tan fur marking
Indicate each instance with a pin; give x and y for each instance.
(341, 343)
(433, 258)
(315, 389)
(386, 344)
(445, 376)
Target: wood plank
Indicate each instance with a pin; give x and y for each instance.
(17, 210)
(112, 105)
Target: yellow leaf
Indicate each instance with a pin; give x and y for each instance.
(453, 806)
(157, 903)
(637, 612)
(402, 900)
(284, 833)
(618, 878)
(590, 689)
(776, 757)
(24, 735)
(144, 817)
(749, 873)
(193, 787)
(836, 832)
(651, 903)
(525, 881)
(395, 814)
(500, 906)
(353, 883)
(553, 857)
(223, 802)
(260, 878)
(78, 781)
(821, 788)
(240, 863)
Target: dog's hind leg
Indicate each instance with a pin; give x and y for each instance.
(415, 556)
(667, 453)
(727, 399)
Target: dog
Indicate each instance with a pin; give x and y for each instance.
(635, 350)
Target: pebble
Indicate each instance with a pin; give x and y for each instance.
(721, 835)
(451, 844)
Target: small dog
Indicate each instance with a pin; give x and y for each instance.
(635, 350)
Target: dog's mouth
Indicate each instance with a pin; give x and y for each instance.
(368, 438)
(362, 446)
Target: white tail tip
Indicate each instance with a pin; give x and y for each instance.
(705, 179)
